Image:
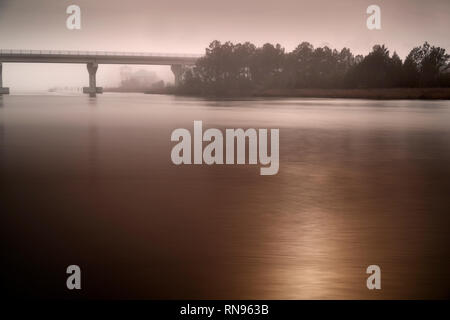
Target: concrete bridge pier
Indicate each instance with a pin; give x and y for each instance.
(92, 89)
(2, 90)
(177, 70)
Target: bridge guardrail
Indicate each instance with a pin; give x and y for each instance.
(95, 53)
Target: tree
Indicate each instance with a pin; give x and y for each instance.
(243, 68)
(427, 65)
(300, 64)
(376, 70)
(267, 65)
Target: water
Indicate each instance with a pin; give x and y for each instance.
(90, 182)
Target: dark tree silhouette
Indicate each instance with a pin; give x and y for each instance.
(376, 70)
(427, 65)
(230, 69)
(266, 66)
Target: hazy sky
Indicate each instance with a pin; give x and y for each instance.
(188, 26)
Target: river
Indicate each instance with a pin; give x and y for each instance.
(90, 182)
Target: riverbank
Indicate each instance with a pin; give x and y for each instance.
(380, 94)
(373, 94)
(124, 90)
(165, 90)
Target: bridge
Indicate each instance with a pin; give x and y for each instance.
(93, 58)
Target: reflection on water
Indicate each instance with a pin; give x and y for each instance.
(90, 182)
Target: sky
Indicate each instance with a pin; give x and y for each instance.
(188, 26)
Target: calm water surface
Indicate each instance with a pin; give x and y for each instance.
(90, 182)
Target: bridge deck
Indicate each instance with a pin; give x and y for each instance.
(100, 57)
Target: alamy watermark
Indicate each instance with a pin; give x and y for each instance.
(235, 140)
(73, 21)
(374, 280)
(373, 22)
(74, 279)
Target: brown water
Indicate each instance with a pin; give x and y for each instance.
(90, 182)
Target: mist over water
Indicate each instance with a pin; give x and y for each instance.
(90, 182)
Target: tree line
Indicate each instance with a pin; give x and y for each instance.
(243, 68)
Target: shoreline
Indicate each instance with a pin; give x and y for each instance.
(373, 94)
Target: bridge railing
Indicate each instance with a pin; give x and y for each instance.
(95, 53)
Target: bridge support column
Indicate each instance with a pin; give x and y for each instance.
(92, 89)
(2, 90)
(177, 70)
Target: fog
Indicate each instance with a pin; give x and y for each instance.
(179, 26)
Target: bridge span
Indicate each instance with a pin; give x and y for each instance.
(93, 58)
